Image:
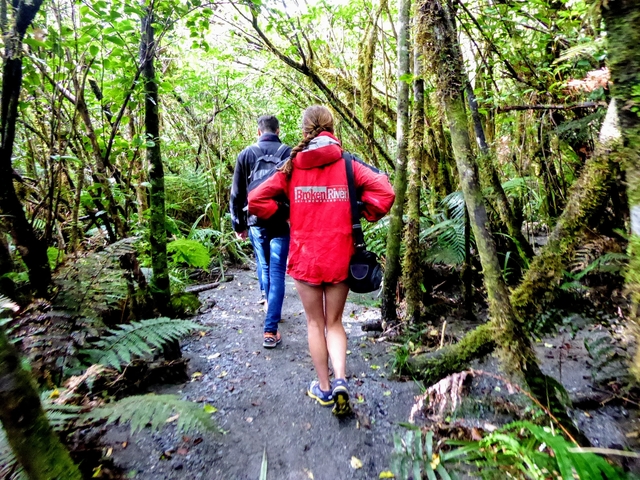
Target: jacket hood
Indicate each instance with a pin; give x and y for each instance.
(322, 150)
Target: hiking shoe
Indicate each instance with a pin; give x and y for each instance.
(323, 398)
(271, 340)
(340, 394)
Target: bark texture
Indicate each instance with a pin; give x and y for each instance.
(412, 264)
(394, 236)
(34, 443)
(157, 225)
(622, 18)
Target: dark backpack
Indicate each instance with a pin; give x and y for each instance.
(265, 166)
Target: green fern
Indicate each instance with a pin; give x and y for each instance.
(155, 411)
(414, 457)
(520, 450)
(138, 339)
(190, 252)
(446, 237)
(10, 469)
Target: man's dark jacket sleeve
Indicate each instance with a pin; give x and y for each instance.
(238, 200)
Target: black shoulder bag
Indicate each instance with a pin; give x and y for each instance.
(365, 273)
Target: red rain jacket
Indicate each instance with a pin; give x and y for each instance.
(321, 235)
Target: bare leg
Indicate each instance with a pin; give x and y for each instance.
(335, 297)
(313, 303)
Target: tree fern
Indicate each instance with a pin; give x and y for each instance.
(445, 238)
(155, 411)
(138, 339)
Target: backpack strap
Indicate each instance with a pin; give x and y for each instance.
(280, 151)
(358, 237)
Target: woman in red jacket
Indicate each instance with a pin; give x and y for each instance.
(314, 181)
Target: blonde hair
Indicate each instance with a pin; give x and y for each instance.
(315, 119)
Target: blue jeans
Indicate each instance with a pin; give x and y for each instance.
(271, 253)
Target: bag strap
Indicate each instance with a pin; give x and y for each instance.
(358, 237)
(281, 149)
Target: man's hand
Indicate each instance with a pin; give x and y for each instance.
(242, 235)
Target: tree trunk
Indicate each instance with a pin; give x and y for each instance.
(32, 250)
(587, 198)
(622, 18)
(491, 179)
(394, 236)
(157, 225)
(365, 79)
(442, 52)
(412, 268)
(34, 443)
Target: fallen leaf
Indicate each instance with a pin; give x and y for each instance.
(360, 398)
(374, 367)
(196, 374)
(124, 444)
(209, 408)
(202, 333)
(173, 419)
(548, 345)
(386, 474)
(356, 463)
(348, 352)
(109, 452)
(387, 393)
(222, 374)
(309, 474)
(54, 394)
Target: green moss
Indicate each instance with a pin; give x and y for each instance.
(432, 367)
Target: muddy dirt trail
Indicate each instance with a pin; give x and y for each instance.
(261, 401)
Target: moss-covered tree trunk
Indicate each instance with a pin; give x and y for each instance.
(492, 180)
(157, 225)
(412, 264)
(442, 53)
(622, 18)
(34, 443)
(587, 198)
(32, 250)
(365, 79)
(394, 237)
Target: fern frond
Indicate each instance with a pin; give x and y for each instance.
(10, 469)
(155, 411)
(138, 339)
(454, 204)
(7, 304)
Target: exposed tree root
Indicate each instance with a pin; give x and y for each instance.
(432, 367)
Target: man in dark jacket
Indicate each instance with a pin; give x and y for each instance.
(270, 239)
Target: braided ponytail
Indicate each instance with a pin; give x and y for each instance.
(315, 120)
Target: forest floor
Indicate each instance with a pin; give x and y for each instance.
(261, 404)
(261, 400)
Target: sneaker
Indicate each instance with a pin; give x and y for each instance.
(340, 394)
(271, 340)
(323, 398)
